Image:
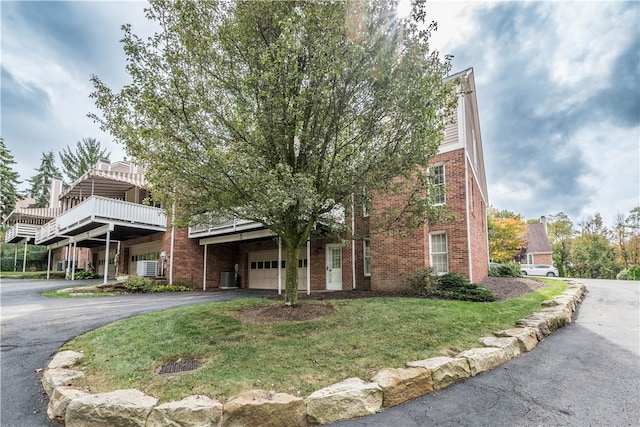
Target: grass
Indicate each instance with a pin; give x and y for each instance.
(362, 336)
(58, 293)
(30, 274)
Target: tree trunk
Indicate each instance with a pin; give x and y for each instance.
(291, 277)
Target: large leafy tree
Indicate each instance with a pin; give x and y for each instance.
(279, 112)
(592, 254)
(561, 232)
(9, 180)
(86, 154)
(507, 232)
(40, 183)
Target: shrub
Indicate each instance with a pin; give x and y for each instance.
(84, 274)
(456, 286)
(511, 269)
(168, 288)
(631, 273)
(138, 284)
(423, 282)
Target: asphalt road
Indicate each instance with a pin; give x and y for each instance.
(34, 327)
(586, 374)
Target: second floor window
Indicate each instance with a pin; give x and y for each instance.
(437, 185)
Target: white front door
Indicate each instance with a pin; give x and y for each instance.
(334, 267)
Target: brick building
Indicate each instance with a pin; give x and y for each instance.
(109, 211)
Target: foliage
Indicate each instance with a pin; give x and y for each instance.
(560, 229)
(8, 182)
(86, 155)
(83, 274)
(456, 286)
(510, 269)
(12, 257)
(592, 257)
(372, 332)
(40, 183)
(631, 273)
(169, 288)
(138, 284)
(278, 112)
(507, 233)
(425, 282)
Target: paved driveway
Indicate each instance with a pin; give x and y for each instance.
(586, 374)
(34, 327)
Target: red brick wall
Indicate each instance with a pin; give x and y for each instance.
(394, 257)
(188, 258)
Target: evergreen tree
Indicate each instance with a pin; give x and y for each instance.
(40, 183)
(9, 194)
(87, 154)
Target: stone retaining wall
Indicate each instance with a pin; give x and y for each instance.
(348, 399)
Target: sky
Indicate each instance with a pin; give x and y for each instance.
(557, 82)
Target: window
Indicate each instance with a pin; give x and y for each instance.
(438, 185)
(439, 254)
(367, 258)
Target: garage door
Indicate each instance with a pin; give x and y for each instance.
(263, 270)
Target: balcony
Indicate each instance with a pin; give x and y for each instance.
(97, 211)
(18, 232)
(220, 226)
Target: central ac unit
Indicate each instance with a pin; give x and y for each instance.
(147, 268)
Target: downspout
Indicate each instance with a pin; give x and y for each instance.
(353, 242)
(173, 236)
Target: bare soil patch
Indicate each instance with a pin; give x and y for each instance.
(504, 288)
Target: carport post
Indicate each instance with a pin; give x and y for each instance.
(279, 266)
(73, 261)
(24, 258)
(106, 257)
(308, 267)
(204, 274)
(48, 262)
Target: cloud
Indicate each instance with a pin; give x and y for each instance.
(558, 89)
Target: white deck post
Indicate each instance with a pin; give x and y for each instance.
(308, 267)
(279, 266)
(66, 261)
(48, 263)
(106, 257)
(204, 274)
(15, 260)
(73, 261)
(24, 258)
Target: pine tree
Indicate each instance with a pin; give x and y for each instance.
(40, 184)
(87, 154)
(9, 194)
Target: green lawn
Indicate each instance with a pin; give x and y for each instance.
(30, 274)
(362, 336)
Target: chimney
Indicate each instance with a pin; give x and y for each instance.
(543, 221)
(54, 194)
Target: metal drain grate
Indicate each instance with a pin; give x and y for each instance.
(179, 366)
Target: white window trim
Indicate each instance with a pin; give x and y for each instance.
(432, 253)
(444, 182)
(365, 257)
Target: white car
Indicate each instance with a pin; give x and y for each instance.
(538, 270)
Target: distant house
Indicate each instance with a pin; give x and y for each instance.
(538, 250)
(110, 210)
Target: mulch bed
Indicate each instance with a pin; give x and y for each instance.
(504, 288)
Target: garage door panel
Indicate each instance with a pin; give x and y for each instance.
(263, 270)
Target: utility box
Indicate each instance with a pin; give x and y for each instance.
(147, 268)
(227, 279)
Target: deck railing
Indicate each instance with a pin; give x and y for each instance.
(101, 210)
(21, 230)
(221, 225)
